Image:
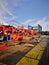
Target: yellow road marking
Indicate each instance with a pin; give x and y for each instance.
(26, 61)
(35, 51)
(33, 57)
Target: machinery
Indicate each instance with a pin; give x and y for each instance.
(10, 32)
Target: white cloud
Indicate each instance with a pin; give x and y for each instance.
(5, 10)
(43, 23)
(27, 22)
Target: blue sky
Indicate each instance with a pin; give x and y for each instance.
(26, 12)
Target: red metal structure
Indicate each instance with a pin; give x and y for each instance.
(19, 32)
(15, 33)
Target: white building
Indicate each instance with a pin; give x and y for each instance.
(38, 28)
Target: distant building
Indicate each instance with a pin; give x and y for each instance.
(37, 28)
(30, 27)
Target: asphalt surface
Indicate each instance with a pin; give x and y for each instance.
(16, 53)
(45, 57)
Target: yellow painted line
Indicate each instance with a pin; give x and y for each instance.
(35, 51)
(26, 61)
(33, 57)
(40, 55)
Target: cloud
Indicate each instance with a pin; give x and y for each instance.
(2, 22)
(27, 22)
(5, 10)
(43, 23)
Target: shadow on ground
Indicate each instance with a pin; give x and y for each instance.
(12, 59)
(45, 57)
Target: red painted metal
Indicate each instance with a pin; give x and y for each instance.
(19, 32)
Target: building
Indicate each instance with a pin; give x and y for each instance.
(30, 27)
(37, 28)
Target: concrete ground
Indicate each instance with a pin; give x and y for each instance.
(26, 54)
